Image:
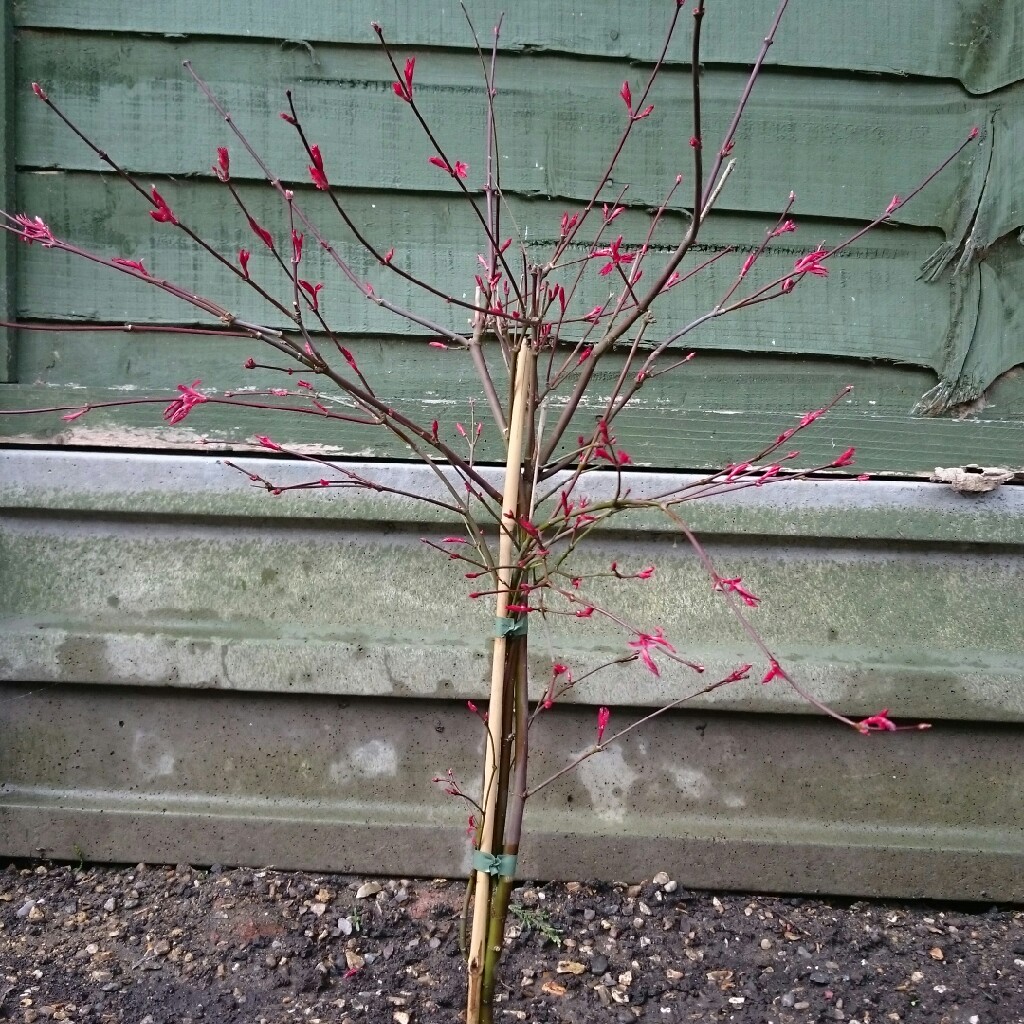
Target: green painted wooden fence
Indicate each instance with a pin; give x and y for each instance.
(857, 104)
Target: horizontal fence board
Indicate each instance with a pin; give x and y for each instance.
(698, 430)
(411, 373)
(860, 310)
(716, 800)
(662, 434)
(844, 146)
(979, 44)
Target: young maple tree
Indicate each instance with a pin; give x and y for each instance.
(539, 326)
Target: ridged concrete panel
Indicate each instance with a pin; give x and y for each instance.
(197, 671)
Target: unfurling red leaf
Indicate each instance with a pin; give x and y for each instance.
(262, 233)
(163, 213)
(312, 293)
(223, 165)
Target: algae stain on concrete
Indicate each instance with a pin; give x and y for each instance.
(608, 778)
(374, 760)
(84, 657)
(153, 755)
(696, 786)
(693, 784)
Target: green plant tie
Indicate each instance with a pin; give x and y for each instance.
(503, 864)
(505, 625)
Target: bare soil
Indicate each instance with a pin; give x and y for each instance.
(179, 945)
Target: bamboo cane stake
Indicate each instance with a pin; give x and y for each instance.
(509, 506)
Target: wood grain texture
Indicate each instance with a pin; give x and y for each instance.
(844, 145)
(979, 43)
(720, 409)
(860, 310)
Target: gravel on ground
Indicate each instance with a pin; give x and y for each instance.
(182, 945)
